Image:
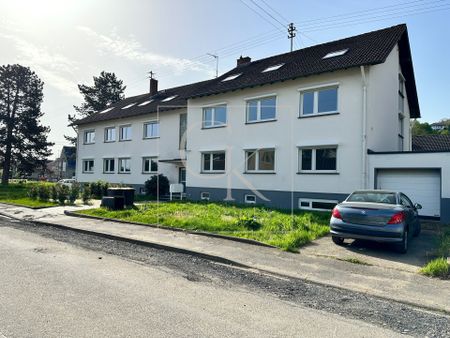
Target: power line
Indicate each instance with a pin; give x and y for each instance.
(259, 14)
(275, 11)
(262, 8)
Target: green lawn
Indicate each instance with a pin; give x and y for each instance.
(18, 194)
(275, 227)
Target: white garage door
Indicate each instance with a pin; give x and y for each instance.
(422, 186)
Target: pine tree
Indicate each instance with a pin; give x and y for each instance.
(107, 89)
(23, 140)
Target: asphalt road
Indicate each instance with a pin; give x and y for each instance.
(58, 283)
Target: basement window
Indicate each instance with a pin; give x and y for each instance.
(145, 103)
(129, 105)
(249, 199)
(336, 53)
(272, 68)
(204, 196)
(231, 77)
(316, 204)
(169, 98)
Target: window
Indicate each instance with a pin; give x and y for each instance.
(110, 134)
(125, 133)
(262, 160)
(259, 110)
(231, 77)
(129, 105)
(320, 101)
(321, 159)
(405, 201)
(88, 166)
(109, 165)
(169, 98)
(183, 135)
(336, 53)
(272, 68)
(124, 165)
(401, 137)
(215, 116)
(204, 196)
(89, 136)
(106, 110)
(316, 204)
(151, 129)
(249, 199)
(149, 165)
(213, 162)
(401, 94)
(145, 103)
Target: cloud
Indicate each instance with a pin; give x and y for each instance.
(132, 50)
(55, 69)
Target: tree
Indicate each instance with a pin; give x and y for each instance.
(107, 89)
(421, 128)
(23, 140)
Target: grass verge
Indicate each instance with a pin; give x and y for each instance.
(18, 194)
(438, 267)
(279, 228)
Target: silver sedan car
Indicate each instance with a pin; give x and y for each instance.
(376, 215)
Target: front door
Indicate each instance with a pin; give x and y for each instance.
(182, 177)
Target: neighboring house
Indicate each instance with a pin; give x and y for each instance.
(65, 164)
(441, 125)
(301, 129)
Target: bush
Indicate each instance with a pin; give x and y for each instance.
(98, 189)
(63, 193)
(43, 192)
(249, 222)
(74, 193)
(86, 194)
(33, 192)
(152, 186)
(436, 268)
(54, 192)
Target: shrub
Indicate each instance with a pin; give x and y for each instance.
(86, 194)
(63, 192)
(54, 192)
(248, 222)
(98, 189)
(156, 183)
(43, 192)
(74, 193)
(33, 192)
(436, 268)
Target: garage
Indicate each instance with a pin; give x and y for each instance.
(422, 186)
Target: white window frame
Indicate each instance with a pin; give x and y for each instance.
(310, 201)
(401, 94)
(106, 167)
(145, 129)
(336, 53)
(205, 196)
(121, 139)
(85, 138)
(257, 170)
(252, 199)
(106, 134)
(258, 108)
(316, 90)
(313, 159)
(151, 158)
(119, 165)
(83, 169)
(213, 116)
(211, 153)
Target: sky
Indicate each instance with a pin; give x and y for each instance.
(68, 42)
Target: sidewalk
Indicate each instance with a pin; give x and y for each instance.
(378, 281)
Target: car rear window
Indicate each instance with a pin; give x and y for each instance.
(372, 197)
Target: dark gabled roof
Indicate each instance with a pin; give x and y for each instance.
(157, 104)
(366, 49)
(431, 143)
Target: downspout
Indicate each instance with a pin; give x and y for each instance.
(364, 129)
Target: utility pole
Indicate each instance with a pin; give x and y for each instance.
(217, 62)
(292, 34)
(151, 74)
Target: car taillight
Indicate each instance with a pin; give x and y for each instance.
(336, 213)
(398, 218)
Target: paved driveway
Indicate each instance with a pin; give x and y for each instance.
(379, 254)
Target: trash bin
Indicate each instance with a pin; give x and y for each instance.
(113, 203)
(126, 193)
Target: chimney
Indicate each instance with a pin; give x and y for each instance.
(243, 60)
(153, 86)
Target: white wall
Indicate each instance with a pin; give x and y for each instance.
(164, 147)
(285, 135)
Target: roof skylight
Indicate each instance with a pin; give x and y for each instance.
(106, 110)
(129, 106)
(272, 68)
(231, 77)
(335, 53)
(145, 103)
(169, 98)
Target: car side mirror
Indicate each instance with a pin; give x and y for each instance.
(417, 206)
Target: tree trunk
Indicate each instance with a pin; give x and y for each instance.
(6, 164)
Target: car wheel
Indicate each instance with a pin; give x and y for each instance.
(337, 240)
(403, 245)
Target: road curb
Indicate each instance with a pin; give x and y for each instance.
(159, 226)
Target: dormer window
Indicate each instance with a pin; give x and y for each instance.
(169, 98)
(335, 53)
(129, 105)
(272, 68)
(231, 77)
(145, 103)
(106, 110)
